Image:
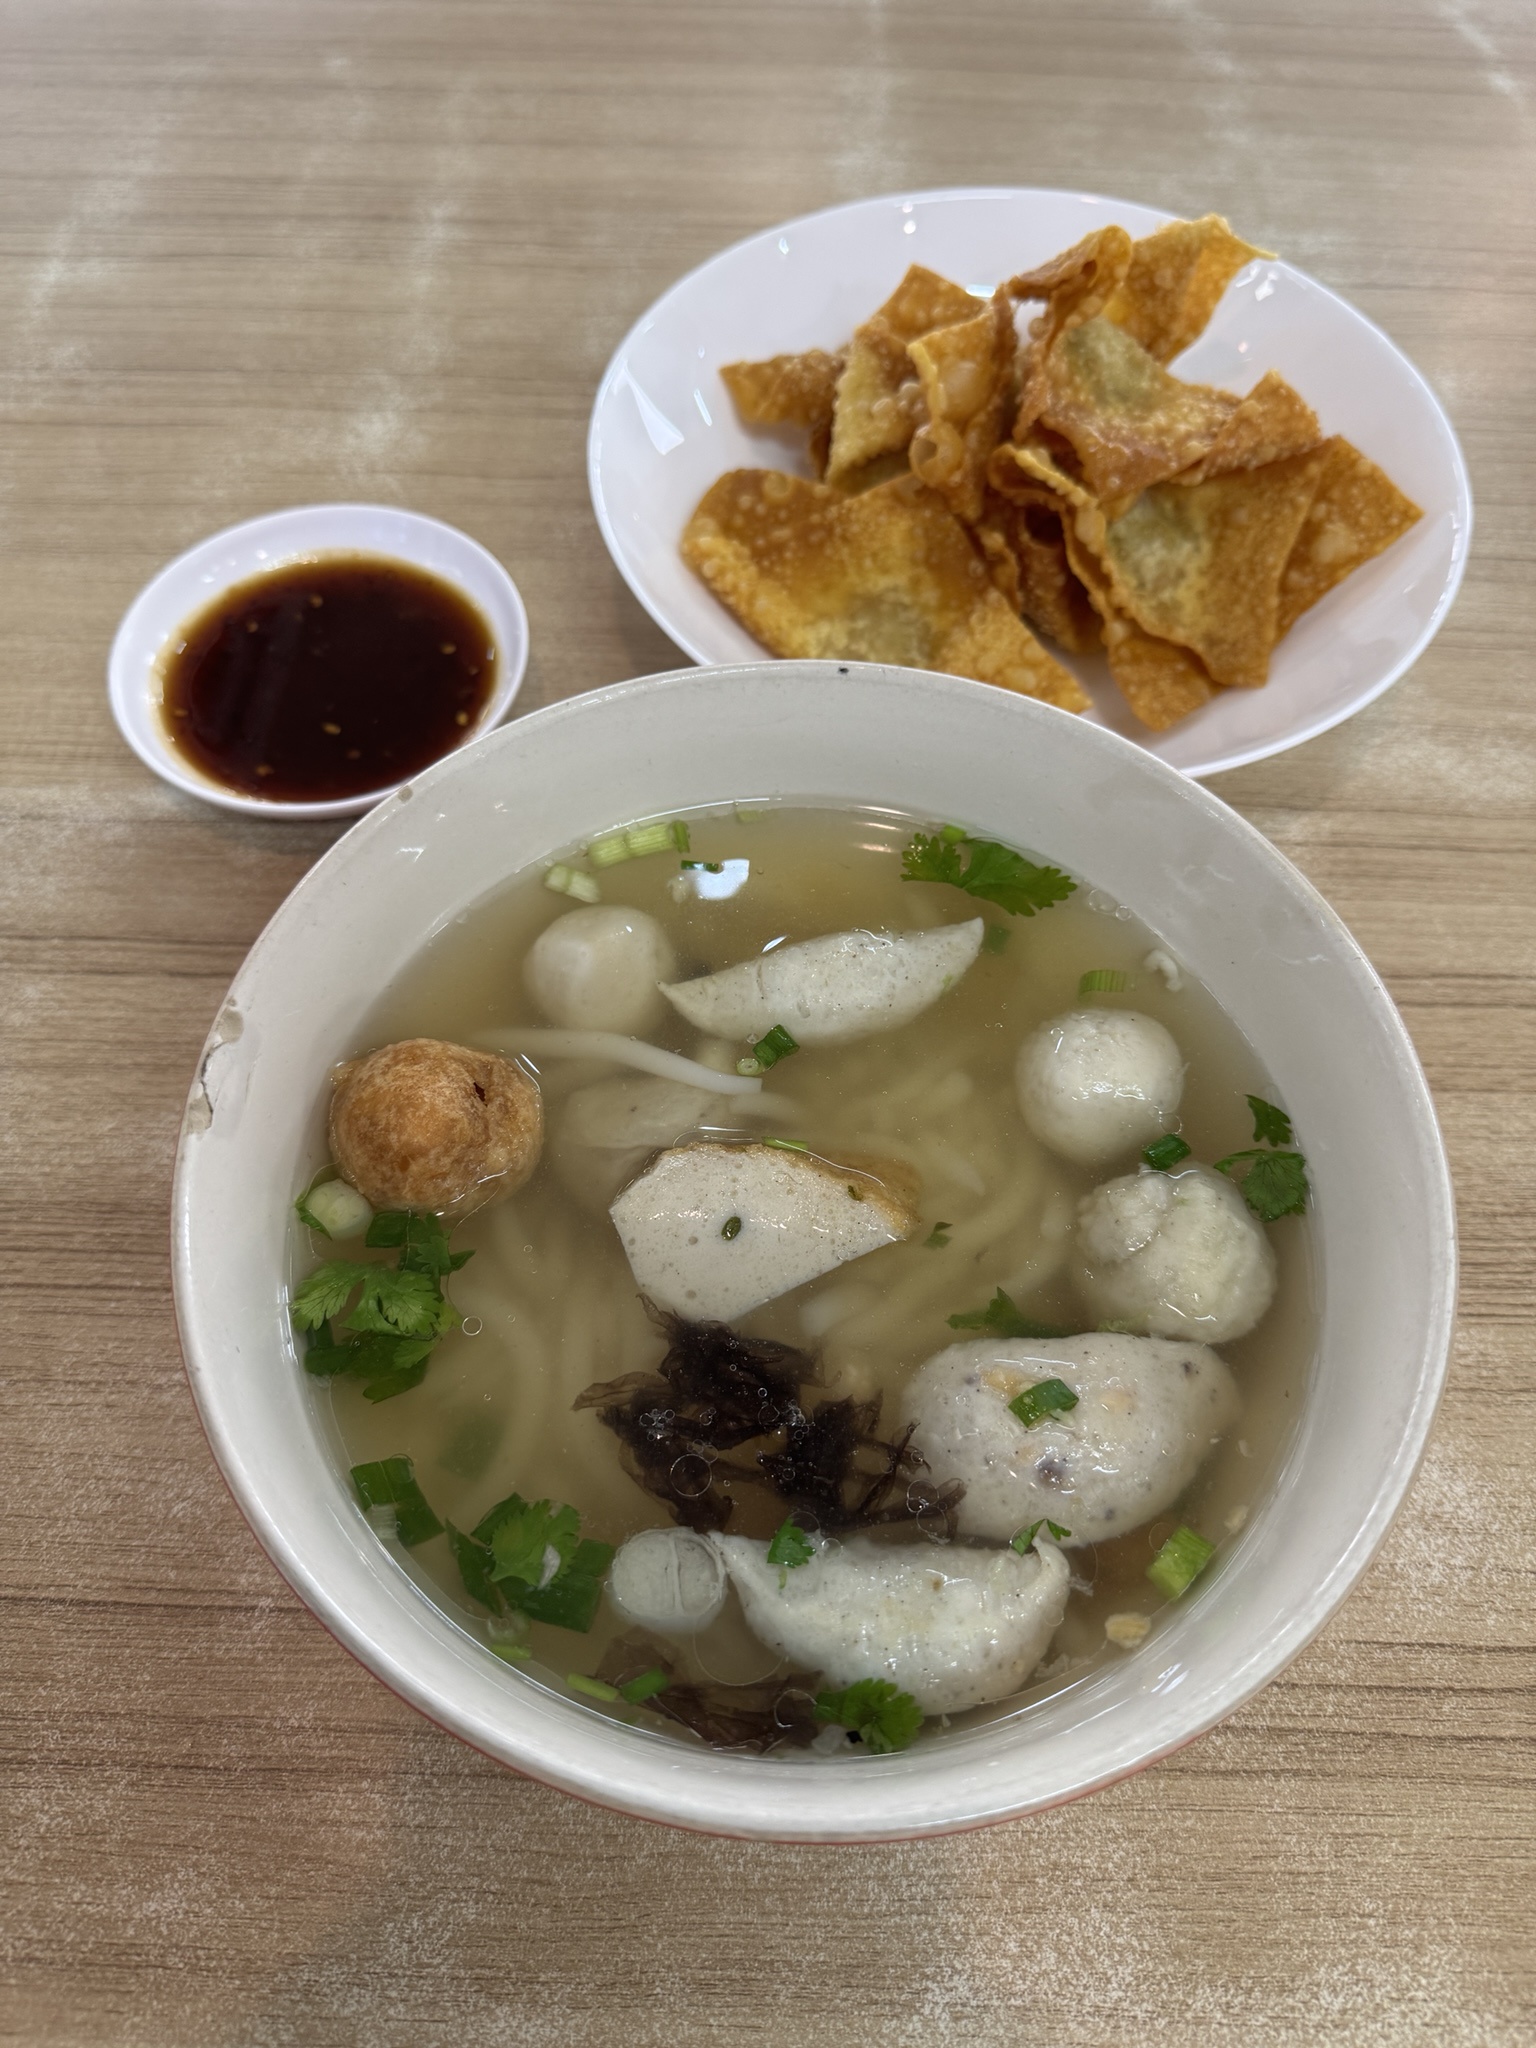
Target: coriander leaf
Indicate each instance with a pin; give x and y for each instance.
(323, 1356)
(400, 1303)
(391, 1483)
(884, 1718)
(520, 1541)
(1271, 1126)
(935, 859)
(1180, 1561)
(387, 1229)
(307, 1216)
(474, 1560)
(1021, 1543)
(645, 1687)
(790, 1548)
(459, 1259)
(324, 1293)
(1274, 1185)
(998, 875)
(399, 1380)
(1164, 1153)
(937, 1238)
(570, 1600)
(1001, 1318)
(1045, 1397)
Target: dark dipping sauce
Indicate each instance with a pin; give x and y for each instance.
(328, 679)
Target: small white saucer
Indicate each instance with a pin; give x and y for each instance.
(187, 586)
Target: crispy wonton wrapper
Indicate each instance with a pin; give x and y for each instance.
(1273, 421)
(1075, 286)
(967, 379)
(1023, 537)
(1174, 282)
(1357, 514)
(1129, 423)
(1161, 683)
(879, 397)
(1201, 564)
(890, 575)
(789, 391)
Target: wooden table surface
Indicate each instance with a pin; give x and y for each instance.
(257, 255)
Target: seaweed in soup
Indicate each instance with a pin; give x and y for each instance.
(771, 1713)
(715, 1391)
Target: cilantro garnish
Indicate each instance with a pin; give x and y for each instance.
(391, 1483)
(502, 1562)
(937, 1238)
(1045, 1397)
(883, 1717)
(1274, 1185)
(1164, 1153)
(1001, 1318)
(1180, 1561)
(1026, 1537)
(400, 1311)
(994, 873)
(790, 1548)
(1271, 1126)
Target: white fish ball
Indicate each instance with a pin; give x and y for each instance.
(598, 969)
(1174, 1255)
(1096, 1084)
(669, 1580)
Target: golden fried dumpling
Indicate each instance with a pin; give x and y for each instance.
(435, 1127)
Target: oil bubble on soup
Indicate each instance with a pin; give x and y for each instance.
(874, 1252)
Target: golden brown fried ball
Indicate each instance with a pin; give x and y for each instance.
(430, 1126)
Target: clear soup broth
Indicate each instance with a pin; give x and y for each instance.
(551, 1307)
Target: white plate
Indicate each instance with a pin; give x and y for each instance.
(187, 586)
(663, 428)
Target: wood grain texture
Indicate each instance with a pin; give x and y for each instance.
(382, 248)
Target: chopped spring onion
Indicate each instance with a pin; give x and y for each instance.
(1026, 1537)
(1164, 1153)
(668, 835)
(1045, 1397)
(1104, 981)
(785, 1144)
(638, 1690)
(730, 1228)
(539, 1043)
(1001, 1318)
(510, 1653)
(391, 1483)
(1180, 1562)
(566, 881)
(768, 1051)
(594, 1688)
(937, 1238)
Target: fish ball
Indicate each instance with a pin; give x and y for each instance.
(1096, 1084)
(1174, 1255)
(435, 1127)
(669, 1580)
(598, 969)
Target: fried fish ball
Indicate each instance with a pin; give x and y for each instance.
(435, 1127)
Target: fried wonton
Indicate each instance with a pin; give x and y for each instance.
(890, 575)
(1161, 683)
(1129, 423)
(967, 379)
(1201, 564)
(879, 399)
(1273, 421)
(1174, 281)
(1356, 515)
(1023, 537)
(1076, 286)
(1016, 470)
(789, 391)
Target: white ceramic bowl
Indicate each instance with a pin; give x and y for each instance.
(663, 428)
(187, 586)
(1220, 897)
